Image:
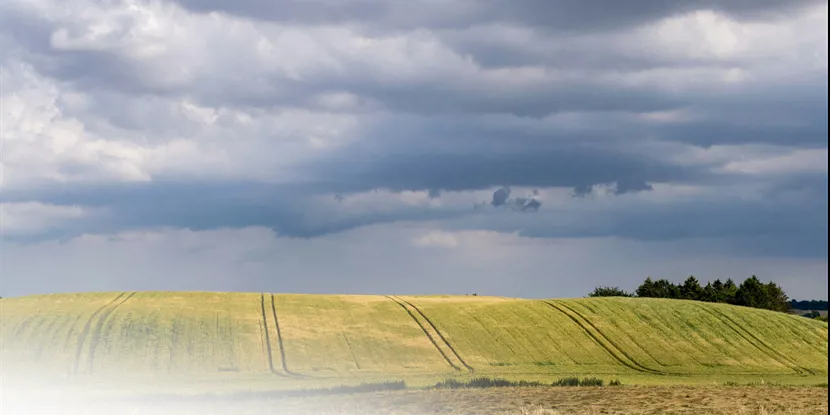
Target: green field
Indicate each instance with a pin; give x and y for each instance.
(259, 341)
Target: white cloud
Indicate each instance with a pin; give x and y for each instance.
(436, 239)
(41, 142)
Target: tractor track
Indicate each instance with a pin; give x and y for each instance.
(426, 333)
(267, 335)
(85, 332)
(99, 328)
(631, 363)
(351, 350)
(280, 341)
(438, 332)
(758, 343)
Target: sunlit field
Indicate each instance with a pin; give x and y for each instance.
(176, 349)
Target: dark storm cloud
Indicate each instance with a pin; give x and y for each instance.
(461, 172)
(287, 209)
(449, 131)
(559, 15)
(465, 156)
(779, 225)
(771, 227)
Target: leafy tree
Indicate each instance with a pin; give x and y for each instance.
(609, 292)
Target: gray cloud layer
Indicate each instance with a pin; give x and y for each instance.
(660, 120)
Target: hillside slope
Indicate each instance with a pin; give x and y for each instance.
(226, 335)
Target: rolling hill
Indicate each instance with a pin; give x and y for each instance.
(293, 338)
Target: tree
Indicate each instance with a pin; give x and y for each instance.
(609, 292)
(809, 305)
(715, 292)
(775, 298)
(647, 289)
(691, 289)
(729, 292)
(665, 289)
(751, 293)
(710, 293)
(754, 293)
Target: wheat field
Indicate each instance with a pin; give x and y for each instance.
(273, 341)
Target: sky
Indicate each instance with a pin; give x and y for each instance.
(533, 148)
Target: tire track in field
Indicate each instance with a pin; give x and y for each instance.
(267, 335)
(441, 336)
(351, 350)
(85, 332)
(99, 328)
(611, 348)
(749, 337)
(279, 340)
(426, 332)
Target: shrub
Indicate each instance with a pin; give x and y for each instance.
(574, 381)
(486, 382)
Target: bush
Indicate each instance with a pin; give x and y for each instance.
(483, 382)
(574, 381)
(812, 314)
(486, 382)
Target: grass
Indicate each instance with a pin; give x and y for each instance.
(200, 342)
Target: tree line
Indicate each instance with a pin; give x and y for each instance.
(808, 305)
(750, 293)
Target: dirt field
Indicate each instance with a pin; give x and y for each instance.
(760, 400)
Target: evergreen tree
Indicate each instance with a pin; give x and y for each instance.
(710, 293)
(776, 299)
(647, 289)
(665, 289)
(751, 293)
(718, 295)
(691, 289)
(729, 292)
